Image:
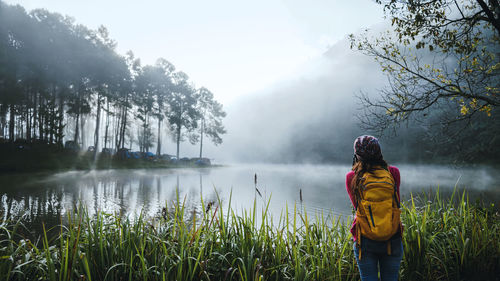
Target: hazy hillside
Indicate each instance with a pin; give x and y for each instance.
(311, 117)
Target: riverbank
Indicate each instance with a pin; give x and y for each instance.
(55, 159)
(444, 240)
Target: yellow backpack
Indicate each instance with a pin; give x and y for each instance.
(378, 208)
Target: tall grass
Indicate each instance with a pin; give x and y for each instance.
(444, 240)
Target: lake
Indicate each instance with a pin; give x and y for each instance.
(128, 192)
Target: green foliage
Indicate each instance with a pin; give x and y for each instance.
(183, 111)
(450, 239)
(439, 52)
(444, 240)
(211, 117)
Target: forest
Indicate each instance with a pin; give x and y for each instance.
(63, 83)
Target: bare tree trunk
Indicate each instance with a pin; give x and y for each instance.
(46, 121)
(77, 127)
(178, 139)
(26, 113)
(82, 131)
(145, 134)
(179, 127)
(41, 109)
(60, 127)
(12, 123)
(158, 145)
(124, 129)
(53, 116)
(201, 135)
(3, 120)
(28, 124)
(20, 128)
(107, 125)
(124, 126)
(35, 114)
(116, 130)
(121, 138)
(118, 136)
(97, 124)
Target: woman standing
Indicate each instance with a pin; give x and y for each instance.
(373, 188)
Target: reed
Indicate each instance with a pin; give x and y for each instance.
(448, 239)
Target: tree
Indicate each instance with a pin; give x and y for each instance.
(103, 80)
(211, 115)
(165, 70)
(123, 101)
(183, 112)
(441, 54)
(145, 138)
(146, 88)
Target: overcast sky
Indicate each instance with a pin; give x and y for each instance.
(231, 47)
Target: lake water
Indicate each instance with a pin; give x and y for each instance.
(128, 192)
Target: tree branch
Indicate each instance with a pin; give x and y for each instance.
(494, 21)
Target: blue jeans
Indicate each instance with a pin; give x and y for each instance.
(370, 263)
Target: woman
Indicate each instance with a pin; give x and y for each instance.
(373, 188)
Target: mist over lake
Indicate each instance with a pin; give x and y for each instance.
(130, 192)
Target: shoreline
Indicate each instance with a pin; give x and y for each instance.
(37, 161)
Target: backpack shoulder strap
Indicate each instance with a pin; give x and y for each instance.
(395, 195)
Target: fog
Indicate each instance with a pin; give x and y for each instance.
(315, 189)
(309, 117)
(313, 117)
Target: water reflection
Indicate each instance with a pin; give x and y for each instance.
(47, 198)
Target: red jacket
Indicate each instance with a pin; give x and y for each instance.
(348, 179)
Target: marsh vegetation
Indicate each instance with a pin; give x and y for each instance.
(445, 239)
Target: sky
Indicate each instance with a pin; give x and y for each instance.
(234, 48)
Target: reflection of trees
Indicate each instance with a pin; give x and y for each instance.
(158, 188)
(95, 196)
(201, 185)
(120, 195)
(74, 198)
(42, 206)
(177, 185)
(8, 207)
(143, 192)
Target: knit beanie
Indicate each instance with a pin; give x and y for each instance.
(367, 148)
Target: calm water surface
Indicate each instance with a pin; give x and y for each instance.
(129, 192)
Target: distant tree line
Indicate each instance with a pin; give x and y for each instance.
(58, 78)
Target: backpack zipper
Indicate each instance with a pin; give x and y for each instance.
(379, 182)
(371, 214)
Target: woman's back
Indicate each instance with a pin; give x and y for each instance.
(373, 188)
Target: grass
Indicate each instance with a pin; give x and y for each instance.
(446, 239)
